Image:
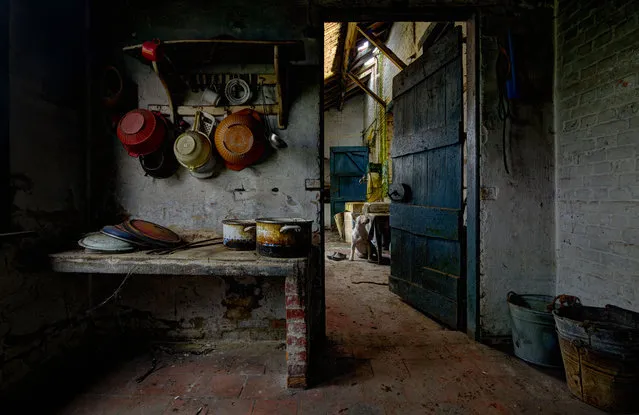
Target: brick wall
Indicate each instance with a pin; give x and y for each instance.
(597, 123)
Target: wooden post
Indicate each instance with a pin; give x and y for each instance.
(383, 48)
(166, 89)
(281, 116)
(367, 90)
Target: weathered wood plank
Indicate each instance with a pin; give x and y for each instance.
(426, 221)
(445, 177)
(429, 115)
(420, 188)
(383, 48)
(432, 60)
(206, 261)
(428, 302)
(367, 89)
(427, 139)
(427, 155)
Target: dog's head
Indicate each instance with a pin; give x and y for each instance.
(363, 220)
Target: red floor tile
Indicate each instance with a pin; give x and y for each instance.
(137, 405)
(221, 386)
(209, 406)
(252, 365)
(279, 407)
(165, 383)
(266, 387)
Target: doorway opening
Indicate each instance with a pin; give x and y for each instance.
(395, 180)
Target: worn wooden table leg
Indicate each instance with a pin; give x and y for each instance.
(378, 241)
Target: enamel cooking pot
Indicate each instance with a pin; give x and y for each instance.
(284, 237)
(239, 234)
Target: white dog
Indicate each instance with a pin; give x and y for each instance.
(359, 240)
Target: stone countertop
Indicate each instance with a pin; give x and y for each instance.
(215, 261)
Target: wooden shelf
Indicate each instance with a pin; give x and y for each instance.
(220, 111)
(216, 261)
(185, 55)
(221, 41)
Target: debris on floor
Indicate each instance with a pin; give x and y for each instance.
(382, 358)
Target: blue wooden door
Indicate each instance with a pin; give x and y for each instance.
(348, 166)
(426, 227)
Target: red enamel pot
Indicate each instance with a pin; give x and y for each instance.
(141, 132)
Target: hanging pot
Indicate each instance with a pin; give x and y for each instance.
(240, 139)
(193, 150)
(152, 50)
(239, 234)
(284, 237)
(141, 132)
(161, 164)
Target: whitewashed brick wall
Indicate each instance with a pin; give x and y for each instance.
(597, 123)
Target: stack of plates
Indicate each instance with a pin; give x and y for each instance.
(99, 242)
(130, 235)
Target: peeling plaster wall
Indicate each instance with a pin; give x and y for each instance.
(516, 209)
(205, 309)
(341, 128)
(186, 202)
(200, 309)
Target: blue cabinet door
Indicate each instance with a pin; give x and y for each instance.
(348, 166)
(427, 230)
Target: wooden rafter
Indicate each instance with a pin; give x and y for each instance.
(367, 90)
(349, 42)
(383, 48)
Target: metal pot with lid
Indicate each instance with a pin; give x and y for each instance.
(284, 237)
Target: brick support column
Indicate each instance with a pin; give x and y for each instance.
(297, 333)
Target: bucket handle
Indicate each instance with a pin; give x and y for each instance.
(249, 228)
(564, 300)
(510, 295)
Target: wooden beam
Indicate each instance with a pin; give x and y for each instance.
(168, 92)
(367, 90)
(227, 41)
(349, 42)
(279, 88)
(383, 48)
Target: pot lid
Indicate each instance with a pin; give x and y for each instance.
(104, 243)
(118, 232)
(152, 232)
(243, 222)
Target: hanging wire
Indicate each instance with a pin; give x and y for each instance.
(115, 293)
(503, 71)
(231, 89)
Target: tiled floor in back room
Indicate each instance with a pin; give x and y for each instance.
(383, 358)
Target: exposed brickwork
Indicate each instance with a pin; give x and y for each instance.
(297, 332)
(597, 123)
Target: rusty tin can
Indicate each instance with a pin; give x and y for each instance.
(239, 234)
(284, 237)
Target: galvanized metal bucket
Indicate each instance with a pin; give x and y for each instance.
(533, 329)
(600, 349)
